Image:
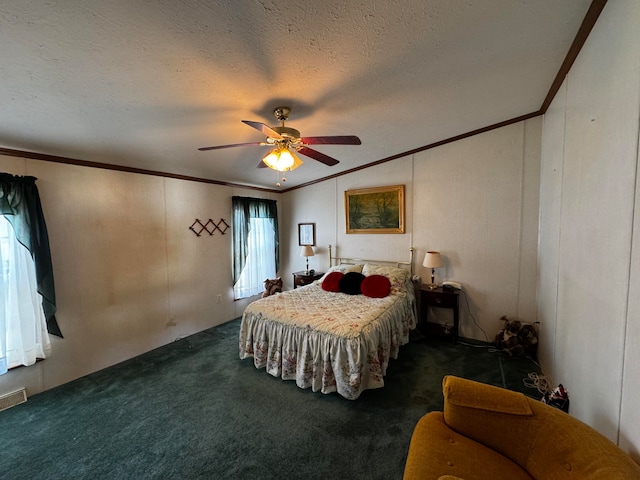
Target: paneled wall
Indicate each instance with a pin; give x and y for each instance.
(533, 229)
(323, 204)
(130, 276)
(589, 269)
(474, 200)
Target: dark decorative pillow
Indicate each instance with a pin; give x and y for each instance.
(376, 286)
(350, 283)
(331, 282)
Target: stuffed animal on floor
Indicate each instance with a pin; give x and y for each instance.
(272, 286)
(507, 338)
(516, 338)
(528, 338)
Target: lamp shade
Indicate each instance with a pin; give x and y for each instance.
(282, 159)
(432, 260)
(306, 251)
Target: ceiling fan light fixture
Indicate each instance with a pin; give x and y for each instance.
(282, 159)
(286, 142)
(296, 160)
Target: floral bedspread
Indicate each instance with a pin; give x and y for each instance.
(332, 342)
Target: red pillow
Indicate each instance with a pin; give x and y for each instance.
(331, 282)
(376, 286)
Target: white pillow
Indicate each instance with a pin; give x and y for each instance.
(399, 277)
(344, 268)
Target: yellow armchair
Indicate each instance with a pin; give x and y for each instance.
(487, 432)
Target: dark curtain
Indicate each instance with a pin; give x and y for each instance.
(244, 209)
(20, 204)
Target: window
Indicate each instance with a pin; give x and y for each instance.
(4, 248)
(23, 328)
(255, 244)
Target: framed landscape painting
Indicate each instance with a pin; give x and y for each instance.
(375, 210)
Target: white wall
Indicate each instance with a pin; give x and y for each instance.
(551, 174)
(130, 276)
(475, 200)
(313, 204)
(323, 204)
(589, 271)
(477, 203)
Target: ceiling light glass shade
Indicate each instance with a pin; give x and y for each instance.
(282, 159)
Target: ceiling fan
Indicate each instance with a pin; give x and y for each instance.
(286, 141)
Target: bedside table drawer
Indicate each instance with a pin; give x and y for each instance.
(300, 280)
(438, 299)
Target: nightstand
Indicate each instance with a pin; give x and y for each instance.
(440, 298)
(303, 278)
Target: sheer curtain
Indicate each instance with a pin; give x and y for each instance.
(20, 204)
(23, 327)
(255, 244)
(258, 266)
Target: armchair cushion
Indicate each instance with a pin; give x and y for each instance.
(486, 432)
(450, 453)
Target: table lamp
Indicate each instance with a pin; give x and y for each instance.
(432, 260)
(306, 251)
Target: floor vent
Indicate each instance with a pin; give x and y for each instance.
(12, 399)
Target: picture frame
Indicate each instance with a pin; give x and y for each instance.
(375, 210)
(307, 234)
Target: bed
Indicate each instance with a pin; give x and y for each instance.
(332, 341)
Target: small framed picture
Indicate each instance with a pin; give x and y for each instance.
(307, 234)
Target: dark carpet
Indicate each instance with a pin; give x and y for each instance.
(194, 410)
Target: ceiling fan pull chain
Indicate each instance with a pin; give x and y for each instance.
(284, 179)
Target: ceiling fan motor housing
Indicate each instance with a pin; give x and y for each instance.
(282, 113)
(287, 132)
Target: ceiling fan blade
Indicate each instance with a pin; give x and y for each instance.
(332, 140)
(321, 157)
(262, 165)
(217, 147)
(265, 129)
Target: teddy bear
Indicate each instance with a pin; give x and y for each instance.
(516, 338)
(528, 338)
(272, 286)
(507, 338)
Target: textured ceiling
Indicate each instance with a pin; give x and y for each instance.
(144, 84)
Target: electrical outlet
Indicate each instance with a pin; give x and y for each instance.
(219, 298)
